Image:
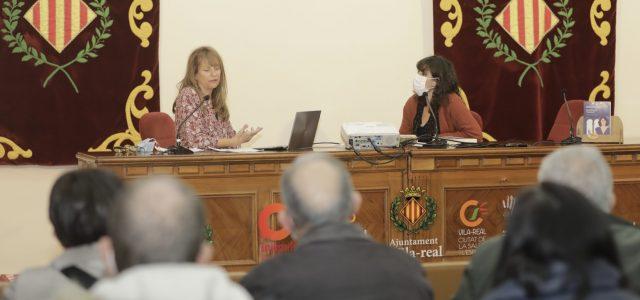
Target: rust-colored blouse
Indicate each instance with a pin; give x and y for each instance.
(454, 118)
(203, 129)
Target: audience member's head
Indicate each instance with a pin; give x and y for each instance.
(156, 220)
(79, 203)
(583, 168)
(552, 223)
(316, 190)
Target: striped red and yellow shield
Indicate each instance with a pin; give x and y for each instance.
(527, 22)
(59, 21)
(413, 211)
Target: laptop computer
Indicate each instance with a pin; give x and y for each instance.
(303, 132)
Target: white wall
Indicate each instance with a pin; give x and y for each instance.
(627, 68)
(26, 236)
(353, 59)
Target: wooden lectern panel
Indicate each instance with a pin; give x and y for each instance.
(232, 218)
(472, 216)
(373, 212)
(628, 200)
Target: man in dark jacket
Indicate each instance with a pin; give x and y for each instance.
(586, 170)
(333, 258)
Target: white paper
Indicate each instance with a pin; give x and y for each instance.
(234, 150)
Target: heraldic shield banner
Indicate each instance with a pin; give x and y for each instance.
(514, 57)
(75, 75)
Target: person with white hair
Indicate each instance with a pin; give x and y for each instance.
(156, 247)
(333, 258)
(584, 169)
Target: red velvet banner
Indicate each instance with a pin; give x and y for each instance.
(513, 58)
(75, 75)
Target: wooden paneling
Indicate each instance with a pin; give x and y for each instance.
(235, 188)
(233, 219)
(373, 212)
(473, 215)
(136, 171)
(162, 170)
(628, 200)
(213, 169)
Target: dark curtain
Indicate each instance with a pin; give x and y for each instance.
(572, 55)
(91, 73)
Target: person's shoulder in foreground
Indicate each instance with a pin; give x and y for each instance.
(340, 269)
(479, 274)
(170, 281)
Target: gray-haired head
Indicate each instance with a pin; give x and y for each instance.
(317, 189)
(583, 168)
(156, 220)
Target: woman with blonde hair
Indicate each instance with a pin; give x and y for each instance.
(202, 115)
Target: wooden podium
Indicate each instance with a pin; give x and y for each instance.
(460, 197)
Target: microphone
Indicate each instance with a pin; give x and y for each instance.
(435, 142)
(179, 149)
(572, 139)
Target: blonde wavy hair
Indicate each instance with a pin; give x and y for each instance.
(219, 94)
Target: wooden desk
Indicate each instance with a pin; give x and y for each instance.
(237, 189)
(489, 179)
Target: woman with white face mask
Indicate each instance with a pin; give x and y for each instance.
(437, 83)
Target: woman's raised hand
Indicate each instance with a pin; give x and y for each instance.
(245, 134)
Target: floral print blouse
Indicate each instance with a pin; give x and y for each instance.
(203, 129)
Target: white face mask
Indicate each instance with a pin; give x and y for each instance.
(420, 85)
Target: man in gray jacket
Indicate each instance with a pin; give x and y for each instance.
(333, 259)
(586, 170)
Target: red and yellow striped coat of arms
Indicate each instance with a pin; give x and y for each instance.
(527, 22)
(59, 21)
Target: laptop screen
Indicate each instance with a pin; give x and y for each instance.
(304, 129)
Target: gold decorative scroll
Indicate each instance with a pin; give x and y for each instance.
(601, 88)
(131, 134)
(15, 151)
(144, 31)
(604, 29)
(448, 30)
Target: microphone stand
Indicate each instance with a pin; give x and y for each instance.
(179, 149)
(435, 142)
(572, 139)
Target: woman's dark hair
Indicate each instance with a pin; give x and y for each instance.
(79, 203)
(554, 223)
(442, 69)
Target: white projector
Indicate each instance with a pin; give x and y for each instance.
(360, 135)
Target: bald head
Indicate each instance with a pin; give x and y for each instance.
(156, 220)
(317, 189)
(583, 168)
